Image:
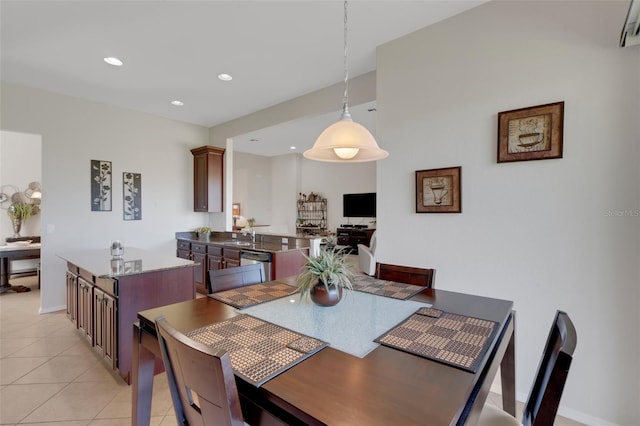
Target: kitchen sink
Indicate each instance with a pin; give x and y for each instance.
(237, 243)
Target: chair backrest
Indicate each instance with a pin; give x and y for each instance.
(542, 405)
(373, 242)
(201, 380)
(225, 279)
(406, 274)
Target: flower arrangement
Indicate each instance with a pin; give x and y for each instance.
(22, 210)
(203, 231)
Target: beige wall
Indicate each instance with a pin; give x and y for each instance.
(74, 132)
(552, 234)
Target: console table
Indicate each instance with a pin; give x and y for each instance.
(15, 251)
(354, 236)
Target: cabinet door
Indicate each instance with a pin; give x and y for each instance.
(98, 317)
(110, 330)
(72, 297)
(208, 173)
(85, 308)
(200, 272)
(231, 257)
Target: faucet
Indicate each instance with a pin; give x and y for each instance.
(253, 234)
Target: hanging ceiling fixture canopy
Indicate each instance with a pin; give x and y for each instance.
(346, 141)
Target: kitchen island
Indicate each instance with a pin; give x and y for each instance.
(104, 295)
(223, 250)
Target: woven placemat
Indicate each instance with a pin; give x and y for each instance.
(258, 350)
(392, 289)
(453, 339)
(243, 297)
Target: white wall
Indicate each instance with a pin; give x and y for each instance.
(332, 180)
(252, 187)
(73, 133)
(275, 198)
(553, 234)
(20, 164)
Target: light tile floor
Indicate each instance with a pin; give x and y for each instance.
(49, 375)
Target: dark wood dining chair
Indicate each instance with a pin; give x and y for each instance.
(406, 274)
(542, 405)
(201, 380)
(226, 279)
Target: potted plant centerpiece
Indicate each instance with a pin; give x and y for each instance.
(324, 276)
(204, 232)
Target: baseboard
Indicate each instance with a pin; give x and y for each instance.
(52, 309)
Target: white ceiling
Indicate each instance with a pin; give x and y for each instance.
(275, 51)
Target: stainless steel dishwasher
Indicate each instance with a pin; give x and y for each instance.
(249, 257)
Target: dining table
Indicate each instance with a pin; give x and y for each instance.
(371, 384)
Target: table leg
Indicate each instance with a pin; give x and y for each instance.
(142, 380)
(508, 373)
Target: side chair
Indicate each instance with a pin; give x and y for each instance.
(542, 405)
(406, 274)
(226, 279)
(367, 255)
(201, 380)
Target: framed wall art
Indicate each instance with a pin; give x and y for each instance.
(438, 190)
(533, 133)
(100, 186)
(132, 196)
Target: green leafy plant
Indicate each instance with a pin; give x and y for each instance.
(21, 210)
(331, 240)
(203, 230)
(330, 267)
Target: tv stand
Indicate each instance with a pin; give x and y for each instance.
(353, 236)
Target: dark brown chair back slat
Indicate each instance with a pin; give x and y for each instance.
(226, 279)
(542, 405)
(406, 274)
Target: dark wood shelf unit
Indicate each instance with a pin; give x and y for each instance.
(353, 236)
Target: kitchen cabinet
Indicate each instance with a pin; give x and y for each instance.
(85, 308)
(199, 255)
(208, 257)
(208, 179)
(104, 321)
(231, 257)
(107, 302)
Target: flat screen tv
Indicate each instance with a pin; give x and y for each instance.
(359, 205)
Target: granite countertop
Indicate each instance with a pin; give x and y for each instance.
(134, 261)
(264, 242)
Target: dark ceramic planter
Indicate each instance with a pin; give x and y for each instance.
(320, 295)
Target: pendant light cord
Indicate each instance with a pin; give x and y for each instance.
(345, 96)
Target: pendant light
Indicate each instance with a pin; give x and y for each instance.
(345, 141)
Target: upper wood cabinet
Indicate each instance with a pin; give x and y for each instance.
(208, 179)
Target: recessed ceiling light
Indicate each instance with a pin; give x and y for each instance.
(292, 147)
(225, 77)
(177, 103)
(113, 61)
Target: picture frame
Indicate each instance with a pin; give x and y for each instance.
(532, 133)
(438, 190)
(101, 188)
(131, 196)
